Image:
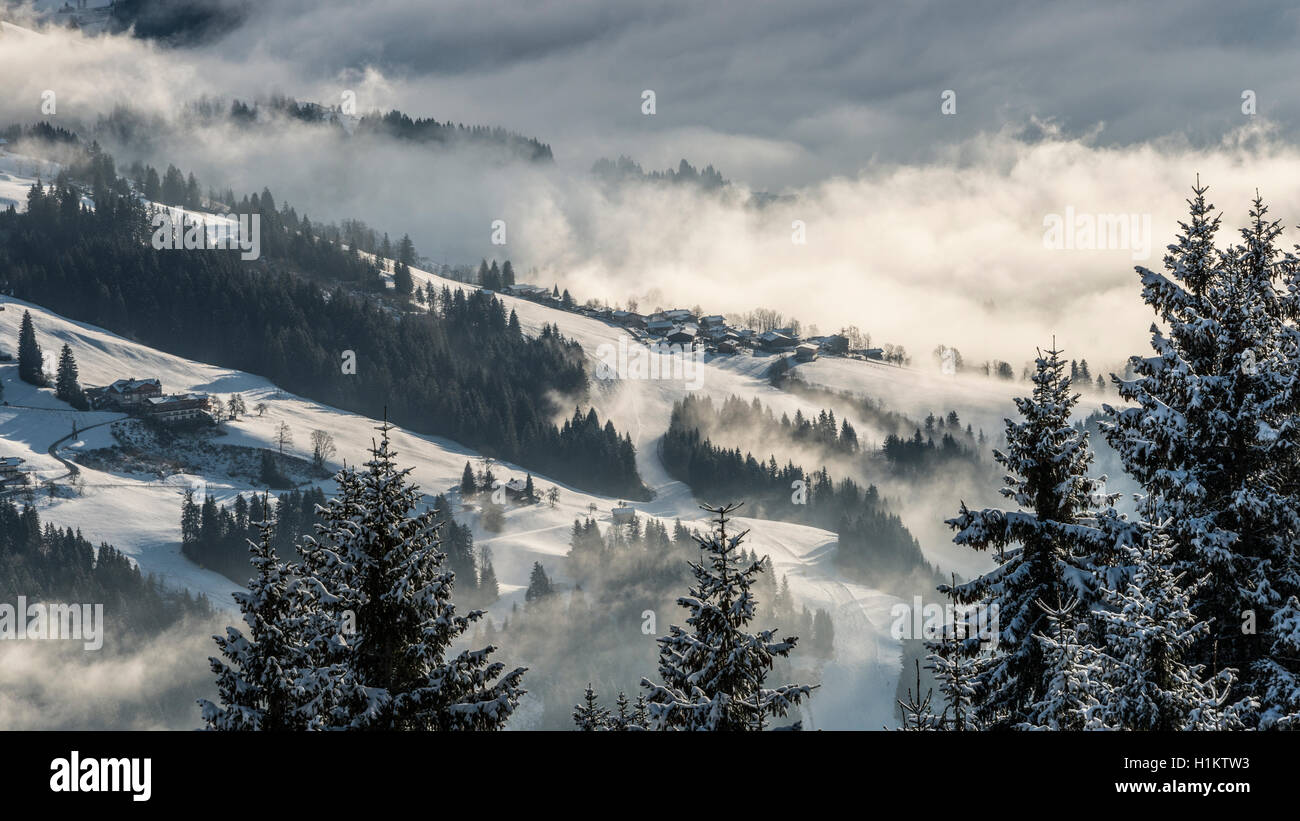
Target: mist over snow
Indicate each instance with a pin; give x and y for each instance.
(1012, 221)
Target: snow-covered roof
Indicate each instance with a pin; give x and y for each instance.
(123, 385)
(525, 288)
(176, 398)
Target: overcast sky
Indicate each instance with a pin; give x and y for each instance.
(922, 228)
(778, 93)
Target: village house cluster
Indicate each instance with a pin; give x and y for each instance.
(712, 333)
(144, 397)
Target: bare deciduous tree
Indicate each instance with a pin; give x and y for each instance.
(322, 448)
(283, 436)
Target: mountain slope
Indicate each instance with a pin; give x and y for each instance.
(142, 515)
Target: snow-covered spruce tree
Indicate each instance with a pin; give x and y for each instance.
(31, 362)
(1149, 630)
(714, 670)
(66, 385)
(955, 669)
(269, 680)
(1279, 672)
(626, 716)
(916, 713)
(640, 713)
(1212, 436)
(1070, 700)
(390, 594)
(1056, 547)
(589, 716)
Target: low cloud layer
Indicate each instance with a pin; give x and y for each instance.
(152, 685)
(946, 249)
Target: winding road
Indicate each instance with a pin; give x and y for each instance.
(72, 467)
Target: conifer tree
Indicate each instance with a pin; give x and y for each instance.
(381, 566)
(954, 668)
(489, 589)
(589, 716)
(31, 362)
(1070, 701)
(406, 250)
(1211, 433)
(403, 282)
(1148, 633)
(539, 584)
(1279, 672)
(714, 670)
(66, 386)
(268, 680)
(1052, 548)
(916, 712)
(625, 718)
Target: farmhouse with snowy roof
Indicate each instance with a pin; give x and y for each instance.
(179, 407)
(12, 473)
(124, 394)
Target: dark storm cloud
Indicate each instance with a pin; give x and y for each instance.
(830, 84)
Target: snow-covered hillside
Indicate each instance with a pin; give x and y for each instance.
(141, 515)
(642, 408)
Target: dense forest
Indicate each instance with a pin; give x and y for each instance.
(625, 168)
(462, 368)
(47, 562)
(216, 536)
(910, 447)
(178, 22)
(129, 127)
(874, 543)
(428, 130)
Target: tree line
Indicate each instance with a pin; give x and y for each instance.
(463, 369)
(42, 561)
(874, 546)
